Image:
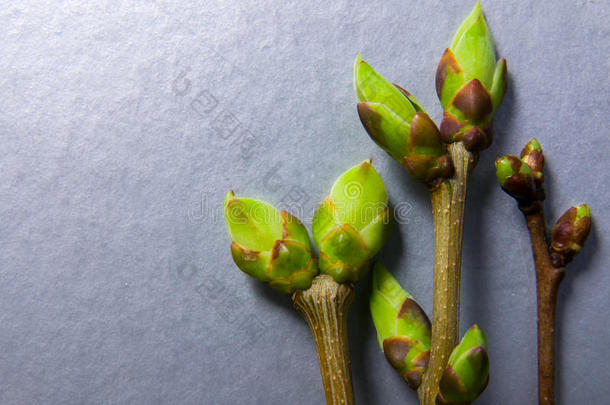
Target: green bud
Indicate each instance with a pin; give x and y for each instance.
(470, 84)
(403, 329)
(352, 223)
(398, 124)
(569, 234)
(516, 179)
(270, 245)
(533, 156)
(467, 372)
(372, 87)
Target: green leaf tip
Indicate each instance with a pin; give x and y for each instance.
(270, 245)
(582, 211)
(474, 48)
(474, 15)
(372, 87)
(397, 123)
(252, 223)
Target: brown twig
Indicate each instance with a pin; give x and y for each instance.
(324, 306)
(548, 279)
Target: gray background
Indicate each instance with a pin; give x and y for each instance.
(123, 125)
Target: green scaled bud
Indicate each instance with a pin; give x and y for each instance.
(352, 223)
(569, 234)
(533, 156)
(398, 124)
(403, 329)
(269, 245)
(516, 179)
(470, 84)
(467, 372)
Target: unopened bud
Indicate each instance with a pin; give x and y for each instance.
(569, 234)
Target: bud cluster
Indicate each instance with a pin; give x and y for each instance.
(523, 178)
(349, 227)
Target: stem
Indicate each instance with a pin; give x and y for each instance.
(324, 306)
(548, 279)
(448, 201)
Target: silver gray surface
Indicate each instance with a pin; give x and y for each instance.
(123, 125)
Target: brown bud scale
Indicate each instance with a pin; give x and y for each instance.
(396, 349)
(447, 64)
(473, 100)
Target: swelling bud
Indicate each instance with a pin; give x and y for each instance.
(398, 124)
(467, 372)
(270, 245)
(403, 329)
(470, 84)
(516, 179)
(352, 223)
(569, 234)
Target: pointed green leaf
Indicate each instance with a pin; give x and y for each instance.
(372, 87)
(386, 285)
(384, 316)
(474, 337)
(253, 224)
(375, 234)
(293, 229)
(386, 128)
(386, 300)
(498, 85)
(474, 48)
(473, 370)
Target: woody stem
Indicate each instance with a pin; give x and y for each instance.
(548, 279)
(448, 201)
(324, 306)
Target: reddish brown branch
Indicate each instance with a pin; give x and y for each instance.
(548, 279)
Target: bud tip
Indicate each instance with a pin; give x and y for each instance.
(582, 211)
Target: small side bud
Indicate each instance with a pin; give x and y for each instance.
(403, 329)
(516, 179)
(569, 234)
(533, 156)
(467, 372)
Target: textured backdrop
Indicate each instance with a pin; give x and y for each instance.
(123, 124)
